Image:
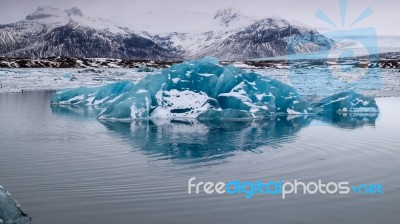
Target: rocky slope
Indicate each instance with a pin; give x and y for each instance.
(229, 35)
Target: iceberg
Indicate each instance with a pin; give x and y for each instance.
(145, 69)
(10, 211)
(205, 90)
(348, 102)
(99, 96)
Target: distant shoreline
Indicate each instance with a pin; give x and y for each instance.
(387, 61)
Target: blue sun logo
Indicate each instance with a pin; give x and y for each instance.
(348, 60)
(343, 11)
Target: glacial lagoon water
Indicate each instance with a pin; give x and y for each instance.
(64, 166)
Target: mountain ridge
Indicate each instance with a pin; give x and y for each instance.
(230, 35)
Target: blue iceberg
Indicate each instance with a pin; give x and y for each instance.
(201, 89)
(10, 211)
(98, 96)
(145, 69)
(347, 102)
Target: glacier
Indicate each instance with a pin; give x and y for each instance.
(205, 90)
(10, 211)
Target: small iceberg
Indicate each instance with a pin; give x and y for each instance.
(348, 102)
(10, 211)
(205, 90)
(144, 69)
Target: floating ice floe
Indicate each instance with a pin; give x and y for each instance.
(348, 102)
(205, 90)
(97, 96)
(145, 69)
(10, 211)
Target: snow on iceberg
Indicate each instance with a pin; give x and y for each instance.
(204, 89)
(348, 102)
(10, 211)
(99, 96)
(201, 89)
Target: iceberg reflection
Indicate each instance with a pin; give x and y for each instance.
(185, 139)
(349, 121)
(193, 139)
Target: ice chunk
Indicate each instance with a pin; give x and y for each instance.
(138, 102)
(207, 90)
(73, 96)
(10, 211)
(100, 96)
(67, 75)
(210, 59)
(348, 102)
(201, 89)
(145, 69)
(174, 103)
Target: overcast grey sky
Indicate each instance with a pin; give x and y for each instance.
(134, 13)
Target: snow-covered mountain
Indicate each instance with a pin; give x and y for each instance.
(228, 35)
(53, 32)
(231, 35)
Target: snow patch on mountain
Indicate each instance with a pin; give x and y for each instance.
(227, 34)
(54, 17)
(230, 35)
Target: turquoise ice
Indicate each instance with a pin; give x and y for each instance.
(145, 69)
(348, 102)
(201, 89)
(10, 211)
(99, 96)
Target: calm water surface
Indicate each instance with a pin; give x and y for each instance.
(64, 166)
